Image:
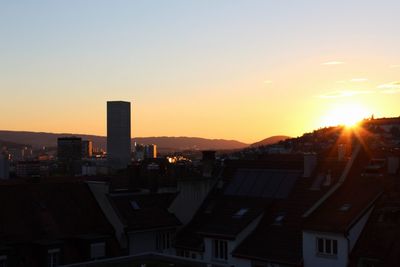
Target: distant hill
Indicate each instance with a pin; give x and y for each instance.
(270, 140)
(9, 144)
(40, 139)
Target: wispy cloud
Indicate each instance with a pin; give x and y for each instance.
(391, 91)
(390, 88)
(395, 66)
(392, 85)
(267, 81)
(345, 93)
(333, 63)
(358, 80)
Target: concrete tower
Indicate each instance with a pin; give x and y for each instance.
(118, 134)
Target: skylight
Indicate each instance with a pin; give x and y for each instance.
(135, 205)
(345, 207)
(240, 213)
(279, 218)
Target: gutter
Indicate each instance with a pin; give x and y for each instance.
(242, 256)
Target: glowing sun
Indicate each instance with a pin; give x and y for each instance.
(345, 114)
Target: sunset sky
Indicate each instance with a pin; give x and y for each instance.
(231, 69)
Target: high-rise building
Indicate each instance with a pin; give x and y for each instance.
(69, 153)
(150, 151)
(28, 168)
(4, 166)
(87, 148)
(118, 134)
(145, 151)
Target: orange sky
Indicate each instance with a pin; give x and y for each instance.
(234, 71)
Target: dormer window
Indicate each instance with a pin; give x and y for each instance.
(327, 247)
(164, 240)
(53, 257)
(220, 250)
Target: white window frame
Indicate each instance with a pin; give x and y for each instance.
(97, 250)
(220, 249)
(329, 247)
(164, 240)
(53, 257)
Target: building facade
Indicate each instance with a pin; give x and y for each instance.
(118, 134)
(69, 153)
(4, 167)
(87, 148)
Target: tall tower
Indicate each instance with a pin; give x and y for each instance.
(118, 134)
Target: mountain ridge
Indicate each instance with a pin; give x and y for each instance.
(270, 140)
(40, 139)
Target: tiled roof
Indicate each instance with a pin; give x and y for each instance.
(216, 215)
(144, 211)
(278, 237)
(379, 242)
(227, 216)
(355, 196)
(49, 210)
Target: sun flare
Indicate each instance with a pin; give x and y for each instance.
(346, 114)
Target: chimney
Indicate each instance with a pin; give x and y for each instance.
(310, 162)
(341, 152)
(392, 164)
(208, 162)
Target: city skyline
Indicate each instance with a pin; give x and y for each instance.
(257, 68)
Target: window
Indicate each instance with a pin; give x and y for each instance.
(180, 253)
(220, 249)
(3, 261)
(53, 257)
(279, 218)
(239, 214)
(164, 240)
(135, 205)
(345, 207)
(327, 247)
(97, 250)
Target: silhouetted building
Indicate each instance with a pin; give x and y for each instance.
(139, 152)
(145, 151)
(150, 151)
(69, 151)
(208, 162)
(52, 223)
(4, 167)
(87, 148)
(28, 169)
(118, 134)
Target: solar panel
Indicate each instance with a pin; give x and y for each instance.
(287, 184)
(248, 184)
(262, 183)
(259, 185)
(275, 180)
(236, 182)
